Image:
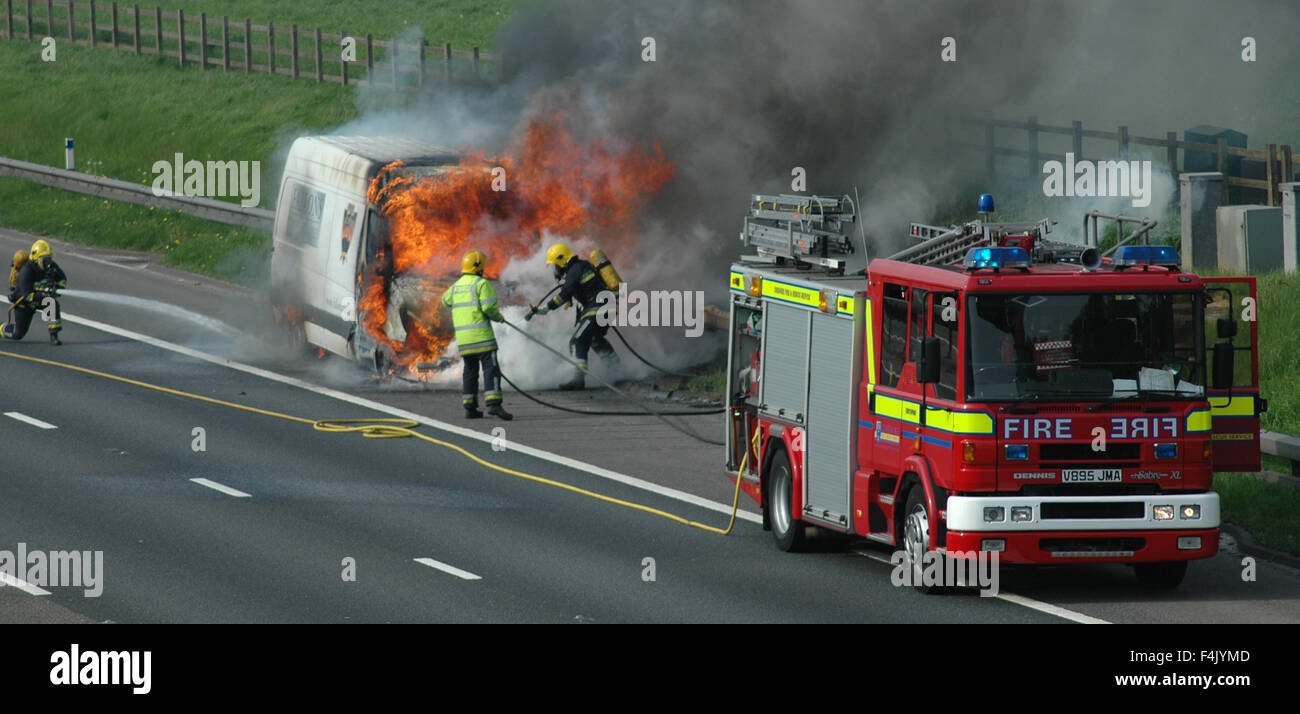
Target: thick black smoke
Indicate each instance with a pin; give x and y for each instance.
(741, 93)
(857, 94)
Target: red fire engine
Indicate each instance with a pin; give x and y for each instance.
(988, 389)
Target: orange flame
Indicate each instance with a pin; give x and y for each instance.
(554, 183)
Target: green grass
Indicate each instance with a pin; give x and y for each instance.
(463, 23)
(1269, 511)
(126, 112)
(1279, 350)
(201, 246)
(714, 382)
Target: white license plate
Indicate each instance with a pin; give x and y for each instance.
(1091, 476)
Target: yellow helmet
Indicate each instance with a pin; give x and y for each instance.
(559, 254)
(473, 262)
(39, 250)
(20, 257)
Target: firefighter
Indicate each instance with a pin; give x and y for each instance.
(582, 283)
(36, 279)
(473, 303)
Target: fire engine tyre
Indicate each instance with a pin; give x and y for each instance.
(916, 536)
(1161, 576)
(788, 532)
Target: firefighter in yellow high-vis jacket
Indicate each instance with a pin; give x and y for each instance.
(473, 304)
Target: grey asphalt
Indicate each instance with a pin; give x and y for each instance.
(115, 476)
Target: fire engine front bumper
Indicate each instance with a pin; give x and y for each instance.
(1106, 529)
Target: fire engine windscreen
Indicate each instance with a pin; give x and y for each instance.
(1098, 345)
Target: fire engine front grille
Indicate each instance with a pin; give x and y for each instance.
(1090, 489)
(1084, 452)
(1091, 547)
(1123, 509)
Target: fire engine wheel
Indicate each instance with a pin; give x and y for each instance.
(1161, 576)
(788, 532)
(916, 536)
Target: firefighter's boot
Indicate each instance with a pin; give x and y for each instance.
(471, 410)
(495, 410)
(54, 338)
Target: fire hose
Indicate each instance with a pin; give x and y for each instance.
(532, 310)
(385, 428)
(662, 416)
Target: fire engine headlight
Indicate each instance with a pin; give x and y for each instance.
(1022, 514)
(1017, 452)
(993, 545)
(1190, 513)
(994, 514)
(1163, 513)
(1166, 451)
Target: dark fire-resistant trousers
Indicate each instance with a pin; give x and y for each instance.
(491, 378)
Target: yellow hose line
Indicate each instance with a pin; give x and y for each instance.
(386, 428)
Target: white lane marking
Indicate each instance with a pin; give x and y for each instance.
(221, 487)
(30, 420)
(1052, 609)
(23, 585)
(486, 438)
(101, 261)
(451, 569)
(1021, 600)
(565, 461)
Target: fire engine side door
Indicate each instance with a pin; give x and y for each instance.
(1234, 413)
(896, 401)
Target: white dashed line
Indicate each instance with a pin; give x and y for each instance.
(450, 569)
(30, 420)
(574, 464)
(222, 488)
(468, 433)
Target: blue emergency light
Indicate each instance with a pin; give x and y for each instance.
(1131, 255)
(986, 203)
(977, 258)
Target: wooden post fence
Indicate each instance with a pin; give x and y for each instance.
(30, 27)
(1277, 158)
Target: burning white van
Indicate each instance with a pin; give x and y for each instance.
(327, 236)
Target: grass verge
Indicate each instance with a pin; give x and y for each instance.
(1269, 511)
(127, 112)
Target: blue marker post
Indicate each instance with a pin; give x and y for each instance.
(69, 160)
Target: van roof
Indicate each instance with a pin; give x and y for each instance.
(383, 149)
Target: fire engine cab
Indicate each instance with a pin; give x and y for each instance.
(988, 389)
